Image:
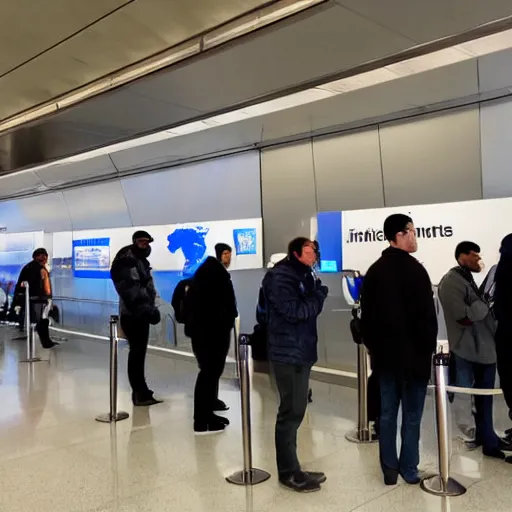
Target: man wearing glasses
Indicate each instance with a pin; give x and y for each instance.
(399, 328)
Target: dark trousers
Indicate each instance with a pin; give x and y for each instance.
(293, 386)
(410, 393)
(480, 376)
(504, 353)
(137, 334)
(42, 324)
(211, 351)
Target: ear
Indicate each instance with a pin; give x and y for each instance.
(295, 253)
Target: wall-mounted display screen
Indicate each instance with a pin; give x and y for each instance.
(354, 239)
(91, 257)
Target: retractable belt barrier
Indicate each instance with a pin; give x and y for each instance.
(30, 329)
(113, 415)
(248, 475)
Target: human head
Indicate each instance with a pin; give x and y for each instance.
(142, 239)
(400, 232)
(40, 255)
(303, 250)
(223, 252)
(467, 255)
(506, 246)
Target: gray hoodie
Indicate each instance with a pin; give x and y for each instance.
(469, 324)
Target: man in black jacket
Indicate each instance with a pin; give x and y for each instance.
(131, 275)
(294, 298)
(399, 328)
(212, 310)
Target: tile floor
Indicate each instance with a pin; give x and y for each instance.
(55, 457)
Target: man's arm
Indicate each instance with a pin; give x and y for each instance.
(45, 278)
(453, 295)
(289, 304)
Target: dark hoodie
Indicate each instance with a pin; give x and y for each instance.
(212, 299)
(398, 317)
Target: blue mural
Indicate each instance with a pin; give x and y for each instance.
(192, 242)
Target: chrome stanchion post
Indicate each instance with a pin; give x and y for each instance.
(29, 329)
(363, 433)
(249, 475)
(237, 352)
(441, 484)
(114, 414)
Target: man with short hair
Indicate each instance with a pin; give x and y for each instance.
(294, 300)
(37, 276)
(471, 328)
(212, 309)
(399, 328)
(131, 275)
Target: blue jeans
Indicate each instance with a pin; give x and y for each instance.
(480, 376)
(410, 393)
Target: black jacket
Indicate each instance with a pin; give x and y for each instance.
(211, 299)
(398, 317)
(30, 273)
(131, 275)
(294, 300)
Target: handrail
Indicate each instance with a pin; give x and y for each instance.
(90, 301)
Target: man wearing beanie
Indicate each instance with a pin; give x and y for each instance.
(294, 298)
(131, 275)
(213, 312)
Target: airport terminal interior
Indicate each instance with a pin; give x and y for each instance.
(248, 123)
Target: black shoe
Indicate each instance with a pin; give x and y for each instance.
(208, 429)
(412, 478)
(505, 445)
(316, 476)
(50, 345)
(299, 482)
(220, 406)
(220, 419)
(146, 402)
(495, 453)
(390, 477)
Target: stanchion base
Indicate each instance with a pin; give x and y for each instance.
(33, 360)
(108, 418)
(361, 437)
(252, 477)
(434, 485)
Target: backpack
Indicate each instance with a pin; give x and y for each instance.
(179, 301)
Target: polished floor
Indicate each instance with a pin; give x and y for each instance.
(55, 457)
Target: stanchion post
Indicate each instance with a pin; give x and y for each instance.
(363, 433)
(114, 415)
(248, 475)
(237, 352)
(442, 484)
(29, 329)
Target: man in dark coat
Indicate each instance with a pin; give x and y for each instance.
(131, 275)
(295, 298)
(399, 328)
(212, 307)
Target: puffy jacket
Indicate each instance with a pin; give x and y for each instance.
(294, 300)
(131, 275)
(398, 316)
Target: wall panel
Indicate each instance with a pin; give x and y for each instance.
(432, 158)
(348, 171)
(219, 189)
(289, 201)
(496, 122)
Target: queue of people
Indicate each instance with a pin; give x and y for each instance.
(398, 325)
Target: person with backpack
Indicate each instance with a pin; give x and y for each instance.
(471, 328)
(209, 317)
(131, 275)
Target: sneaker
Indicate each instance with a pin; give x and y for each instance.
(220, 419)
(412, 478)
(299, 482)
(220, 406)
(208, 429)
(505, 445)
(316, 476)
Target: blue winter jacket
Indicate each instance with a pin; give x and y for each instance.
(294, 301)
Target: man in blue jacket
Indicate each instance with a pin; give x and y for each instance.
(295, 298)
